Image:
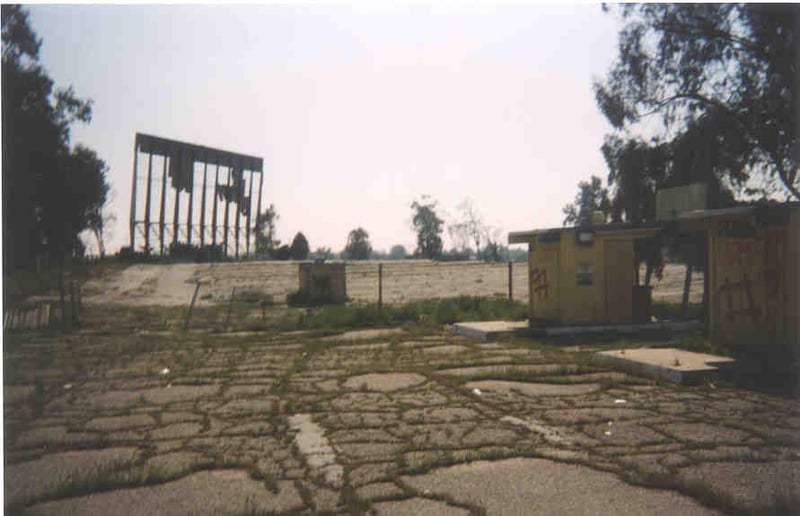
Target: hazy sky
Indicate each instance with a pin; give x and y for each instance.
(357, 111)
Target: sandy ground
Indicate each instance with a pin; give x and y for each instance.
(119, 422)
(174, 284)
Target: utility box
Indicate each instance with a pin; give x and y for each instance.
(323, 280)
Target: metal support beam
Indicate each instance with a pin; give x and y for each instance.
(161, 222)
(203, 206)
(238, 217)
(133, 195)
(214, 214)
(191, 204)
(227, 210)
(147, 204)
(258, 207)
(176, 216)
(249, 212)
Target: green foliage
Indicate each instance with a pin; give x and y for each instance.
(720, 80)
(323, 253)
(493, 251)
(299, 247)
(283, 252)
(591, 197)
(636, 170)
(430, 313)
(469, 228)
(266, 243)
(319, 293)
(50, 193)
(358, 245)
(397, 252)
(428, 227)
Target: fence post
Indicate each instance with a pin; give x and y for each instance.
(191, 306)
(230, 305)
(510, 280)
(380, 286)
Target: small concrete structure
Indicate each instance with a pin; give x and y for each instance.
(323, 279)
(488, 330)
(674, 365)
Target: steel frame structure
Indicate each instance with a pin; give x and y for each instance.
(179, 163)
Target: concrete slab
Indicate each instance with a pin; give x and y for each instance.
(670, 327)
(415, 506)
(207, 492)
(675, 365)
(487, 330)
(314, 446)
(538, 486)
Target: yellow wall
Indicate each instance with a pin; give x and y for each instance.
(753, 279)
(543, 280)
(556, 295)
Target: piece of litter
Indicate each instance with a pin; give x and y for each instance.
(169, 385)
(67, 386)
(607, 432)
(476, 391)
(610, 423)
(620, 402)
(164, 372)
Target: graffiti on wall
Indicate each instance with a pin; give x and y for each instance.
(751, 288)
(540, 287)
(738, 299)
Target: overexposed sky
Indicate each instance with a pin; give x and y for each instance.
(357, 111)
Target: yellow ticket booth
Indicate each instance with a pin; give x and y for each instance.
(583, 275)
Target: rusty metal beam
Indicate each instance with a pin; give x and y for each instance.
(161, 222)
(191, 205)
(133, 194)
(214, 214)
(176, 216)
(249, 212)
(203, 206)
(258, 207)
(238, 219)
(227, 210)
(147, 205)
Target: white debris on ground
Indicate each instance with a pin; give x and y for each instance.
(620, 401)
(549, 434)
(164, 372)
(316, 449)
(476, 391)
